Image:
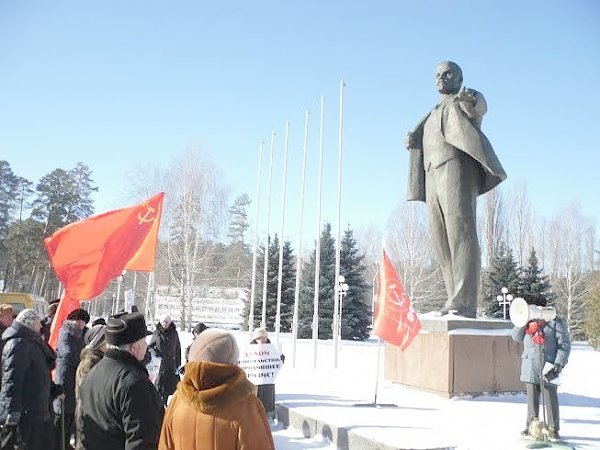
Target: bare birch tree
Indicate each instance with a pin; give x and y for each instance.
(195, 212)
(410, 246)
(491, 224)
(571, 244)
(519, 229)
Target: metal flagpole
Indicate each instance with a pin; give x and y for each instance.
(280, 273)
(263, 320)
(148, 290)
(315, 328)
(299, 254)
(134, 284)
(253, 289)
(336, 306)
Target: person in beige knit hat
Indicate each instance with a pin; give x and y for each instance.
(214, 405)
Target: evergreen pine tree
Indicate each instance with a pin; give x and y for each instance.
(239, 258)
(533, 280)
(326, 289)
(288, 286)
(504, 272)
(356, 314)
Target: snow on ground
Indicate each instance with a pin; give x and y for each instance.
(417, 418)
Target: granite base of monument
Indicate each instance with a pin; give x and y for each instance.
(453, 355)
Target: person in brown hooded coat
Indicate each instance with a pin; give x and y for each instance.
(214, 406)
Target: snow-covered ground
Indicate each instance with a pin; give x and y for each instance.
(420, 419)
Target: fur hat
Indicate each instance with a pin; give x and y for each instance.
(214, 345)
(199, 328)
(6, 309)
(27, 317)
(259, 333)
(126, 328)
(51, 309)
(95, 337)
(79, 314)
(99, 321)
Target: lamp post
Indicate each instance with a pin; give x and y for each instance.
(342, 291)
(504, 299)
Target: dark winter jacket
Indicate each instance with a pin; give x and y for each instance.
(26, 364)
(120, 407)
(557, 347)
(165, 343)
(68, 353)
(89, 358)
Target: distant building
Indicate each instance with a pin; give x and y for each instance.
(215, 306)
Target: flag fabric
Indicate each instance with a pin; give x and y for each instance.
(396, 321)
(65, 307)
(88, 254)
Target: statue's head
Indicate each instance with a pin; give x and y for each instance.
(448, 77)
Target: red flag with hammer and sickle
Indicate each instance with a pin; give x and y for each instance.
(396, 321)
(88, 254)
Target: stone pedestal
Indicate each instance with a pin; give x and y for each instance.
(454, 355)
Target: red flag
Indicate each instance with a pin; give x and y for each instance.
(143, 260)
(86, 255)
(396, 321)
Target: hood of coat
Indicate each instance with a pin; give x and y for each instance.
(209, 386)
(91, 354)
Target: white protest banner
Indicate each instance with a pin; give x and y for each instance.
(153, 367)
(261, 362)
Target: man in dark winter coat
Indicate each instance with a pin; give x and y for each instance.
(120, 408)
(47, 321)
(165, 344)
(26, 385)
(68, 352)
(552, 339)
(6, 320)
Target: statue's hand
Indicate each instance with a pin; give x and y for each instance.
(411, 141)
(467, 95)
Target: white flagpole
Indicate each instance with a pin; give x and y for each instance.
(148, 291)
(253, 289)
(263, 320)
(134, 284)
(299, 254)
(280, 273)
(315, 330)
(336, 306)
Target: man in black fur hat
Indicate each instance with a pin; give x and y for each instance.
(120, 408)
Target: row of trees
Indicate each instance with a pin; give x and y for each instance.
(564, 248)
(29, 213)
(204, 242)
(356, 304)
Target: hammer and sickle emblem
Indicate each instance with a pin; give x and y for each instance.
(147, 217)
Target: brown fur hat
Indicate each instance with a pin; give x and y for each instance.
(216, 346)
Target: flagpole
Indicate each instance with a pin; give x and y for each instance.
(148, 290)
(263, 320)
(299, 254)
(336, 306)
(315, 327)
(280, 273)
(253, 289)
(377, 371)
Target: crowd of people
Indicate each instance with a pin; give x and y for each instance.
(94, 391)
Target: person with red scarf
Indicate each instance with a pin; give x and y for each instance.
(552, 339)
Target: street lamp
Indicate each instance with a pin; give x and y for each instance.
(504, 300)
(342, 291)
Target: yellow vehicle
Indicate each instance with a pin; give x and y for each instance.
(20, 301)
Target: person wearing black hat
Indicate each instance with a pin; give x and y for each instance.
(47, 321)
(68, 354)
(120, 408)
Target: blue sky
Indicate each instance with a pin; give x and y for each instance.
(115, 84)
